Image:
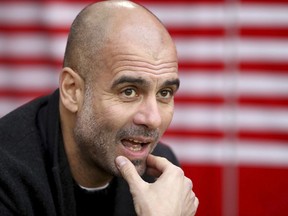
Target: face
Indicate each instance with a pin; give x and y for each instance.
(127, 108)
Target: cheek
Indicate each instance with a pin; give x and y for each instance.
(167, 116)
(117, 114)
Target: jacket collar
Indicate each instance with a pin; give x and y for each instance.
(57, 166)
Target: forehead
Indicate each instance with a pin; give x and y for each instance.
(146, 68)
(155, 57)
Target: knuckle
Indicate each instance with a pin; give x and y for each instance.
(189, 182)
(163, 160)
(178, 171)
(196, 202)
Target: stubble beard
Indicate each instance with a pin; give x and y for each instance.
(98, 141)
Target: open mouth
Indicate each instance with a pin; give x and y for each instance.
(134, 144)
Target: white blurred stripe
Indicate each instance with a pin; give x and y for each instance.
(244, 49)
(262, 49)
(49, 14)
(263, 15)
(9, 104)
(199, 15)
(67, 13)
(204, 83)
(28, 78)
(267, 119)
(244, 83)
(194, 15)
(32, 45)
(179, 14)
(200, 49)
(199, 117)
(25, 13)
(264, 84)
(225, 117)
(244, 153)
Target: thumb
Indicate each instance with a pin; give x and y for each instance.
(129, 172)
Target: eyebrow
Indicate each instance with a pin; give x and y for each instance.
(143, 82)
(127, 79)
(174, 82)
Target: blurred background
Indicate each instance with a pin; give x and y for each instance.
(230, 128)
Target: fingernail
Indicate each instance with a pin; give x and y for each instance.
(121, 161)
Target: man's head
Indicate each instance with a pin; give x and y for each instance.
(117, 85)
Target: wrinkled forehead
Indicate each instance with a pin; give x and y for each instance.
(151, 52)
(146, 70)
(135, 60)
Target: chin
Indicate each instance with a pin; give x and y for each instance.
(140, 166)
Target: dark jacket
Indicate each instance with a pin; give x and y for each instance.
(35, 178)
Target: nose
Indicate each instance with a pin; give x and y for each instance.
(148, 114)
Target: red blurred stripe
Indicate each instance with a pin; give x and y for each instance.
(277, 32)
(42, 2)
(264, 101)
(245, 32)
(198, 99)
(33, 28)
(264, 135)
(181, 1)
(242, 100)
(280, 67)
(22, 61)
(196, 32)
(194, 133)
(24, 93)
(201, 65)
(259, 135)
(265, 1)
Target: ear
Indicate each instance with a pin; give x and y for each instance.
(71, 87)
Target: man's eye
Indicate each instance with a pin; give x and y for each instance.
(166, 94)
(129, 92)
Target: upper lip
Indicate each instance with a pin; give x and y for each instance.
(140, 140)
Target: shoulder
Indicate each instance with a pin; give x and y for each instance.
(20, 144)
(22, 163)
(21, 121)
(19, 134)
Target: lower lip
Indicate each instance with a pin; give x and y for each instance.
(127, 152)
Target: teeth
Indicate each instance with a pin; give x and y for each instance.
(135, 148)
(136, 141)
(133, 144)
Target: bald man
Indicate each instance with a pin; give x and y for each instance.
(92, 147)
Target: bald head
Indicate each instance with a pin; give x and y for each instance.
(100, 27)
(128, 62)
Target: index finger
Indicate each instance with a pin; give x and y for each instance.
(157, 163)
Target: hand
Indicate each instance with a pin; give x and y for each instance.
(171, 194)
